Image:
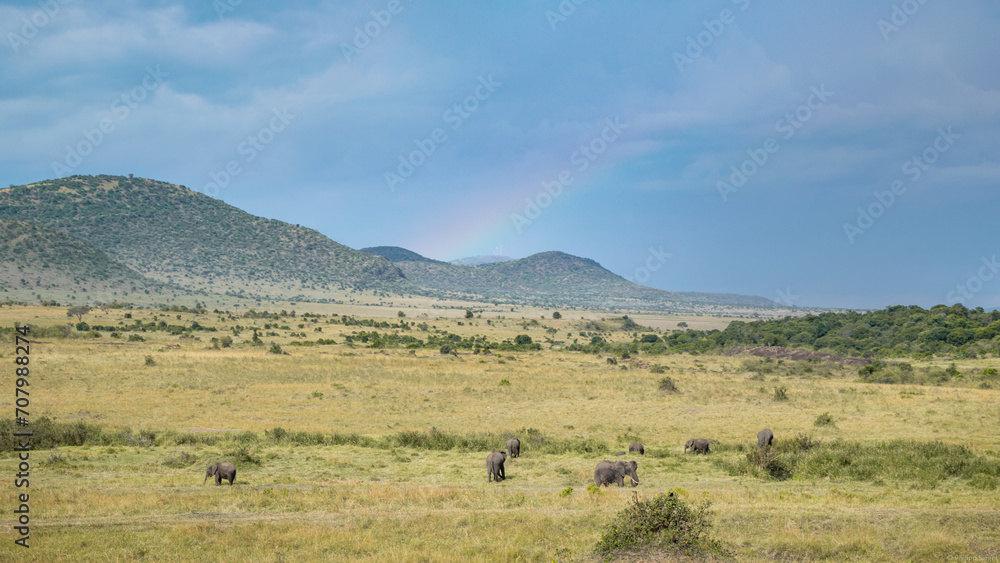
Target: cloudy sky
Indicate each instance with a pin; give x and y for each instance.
(841, 153)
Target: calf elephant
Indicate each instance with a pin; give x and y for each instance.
(637, 447)
(697, 445)
(224, 470)
(514, 447)
(608, 472)
(494, 466)
(764, 438)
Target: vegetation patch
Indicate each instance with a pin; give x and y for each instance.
(662, 523)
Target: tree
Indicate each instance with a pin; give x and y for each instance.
(468, 313)
(78, 312)
(522, 340)
(556, 315)
(401, 314)
(682, 324)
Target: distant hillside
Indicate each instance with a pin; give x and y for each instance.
(554, 278)
(397, 254)
(37, 258)
(477, 260)
(178, 236)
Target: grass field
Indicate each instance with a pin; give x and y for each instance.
(381, 453)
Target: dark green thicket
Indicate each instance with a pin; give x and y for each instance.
(897, 331)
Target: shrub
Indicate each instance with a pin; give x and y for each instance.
(150, 361)
(504, 382)
(658, 369)
(990, 372)
(275, 349)
(566, 492)
(780, 394)
(663, 522)
(764, 463)
(446, 349)
(135, 338)
(824, 419)
(667, 385)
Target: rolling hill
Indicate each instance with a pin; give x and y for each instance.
(177, 236)
(557, 278)
(137, 234)
(37, 258)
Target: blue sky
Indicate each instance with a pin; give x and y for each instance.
(842, 154)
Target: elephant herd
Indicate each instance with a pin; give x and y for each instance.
(606, 472)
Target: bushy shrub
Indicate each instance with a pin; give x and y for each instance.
(664, 522)
(667, 385)
(824, 419)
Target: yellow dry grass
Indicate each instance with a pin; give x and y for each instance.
(341, 503)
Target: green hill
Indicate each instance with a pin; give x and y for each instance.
(181, 237)
(36, 258)
(557, 278)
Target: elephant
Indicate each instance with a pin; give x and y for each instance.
(764, 438)
(514, 447)
(637, 447)
(608, 472)
(224, 470)
(494, 466)
(697, 445)
(619, 453)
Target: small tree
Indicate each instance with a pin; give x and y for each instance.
(468, 313)
(557, 315)
(78, 312)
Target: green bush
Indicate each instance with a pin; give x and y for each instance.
(824, 419)
(780, 394)
(663, 522)
(667, 385)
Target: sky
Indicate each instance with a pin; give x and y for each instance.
(834, 153)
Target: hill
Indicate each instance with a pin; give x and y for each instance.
(181, 237)
(557, 278)
(397, 254)
(37, 258)
(477, 260)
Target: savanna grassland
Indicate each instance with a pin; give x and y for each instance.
(349, 452)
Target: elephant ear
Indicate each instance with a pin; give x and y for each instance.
(634, 465)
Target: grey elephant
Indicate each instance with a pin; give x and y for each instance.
(619, 453)
(224, 470)
(608, 472)
(494, 466)
(514, 447)
(764, 438)
(697, 445)
(637, 447)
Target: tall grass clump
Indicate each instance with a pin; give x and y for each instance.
(662, 523)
